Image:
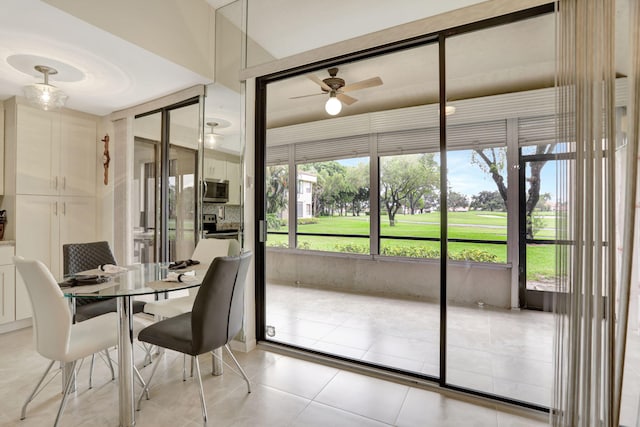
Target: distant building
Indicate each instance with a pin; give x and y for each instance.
(305, 182)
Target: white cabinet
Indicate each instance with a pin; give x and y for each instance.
(7, 284)
(51, 175)
(45, 223)
(215, 168)
(56, 153)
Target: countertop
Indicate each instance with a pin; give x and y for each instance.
(7, 242)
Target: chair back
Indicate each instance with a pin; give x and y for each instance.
(208, 249)
(217, 311)
(236, 311)
(77, 257)
(51, 314)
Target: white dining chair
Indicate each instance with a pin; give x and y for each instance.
(56, 337)
(205, 252)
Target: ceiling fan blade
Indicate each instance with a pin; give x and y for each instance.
(346, 99)
(319, 82)
(306, 96)
(374, 81)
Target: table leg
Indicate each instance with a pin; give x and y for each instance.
(216, 362)
(67, 368)
(125, 359)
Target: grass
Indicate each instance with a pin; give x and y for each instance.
(461, 225)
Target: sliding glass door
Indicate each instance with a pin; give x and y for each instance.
(391, 223)
(164, 197)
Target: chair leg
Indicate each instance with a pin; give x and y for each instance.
(23, 413)
(67, 387)
(142, 383)
(244, 374)
(93, 358)
(204, 405)
(146, 387)
(113, 374)
(184, 367)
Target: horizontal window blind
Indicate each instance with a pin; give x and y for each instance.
(536, 130)
(332, 149)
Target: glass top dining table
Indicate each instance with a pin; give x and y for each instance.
(136, 280)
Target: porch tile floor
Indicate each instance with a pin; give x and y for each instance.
(497, 351)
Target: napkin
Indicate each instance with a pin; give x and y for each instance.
(110, 268)
(187, 276)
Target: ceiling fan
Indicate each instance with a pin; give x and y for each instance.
(336, 88)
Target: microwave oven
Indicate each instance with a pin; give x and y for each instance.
(215, 191)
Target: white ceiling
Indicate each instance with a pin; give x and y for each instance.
(117, 73)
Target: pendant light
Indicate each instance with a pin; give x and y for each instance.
(212, 139)
(43, 95)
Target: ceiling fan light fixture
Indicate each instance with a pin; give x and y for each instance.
(333, 105)
(43, 95)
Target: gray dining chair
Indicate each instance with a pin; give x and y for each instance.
(215, 319)
(78, 257)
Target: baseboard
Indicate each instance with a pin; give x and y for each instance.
(14, 326)
(243, 347)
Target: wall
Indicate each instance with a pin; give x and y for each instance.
(468, 283)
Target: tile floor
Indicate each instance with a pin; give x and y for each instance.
(286, 392)
(496, 351)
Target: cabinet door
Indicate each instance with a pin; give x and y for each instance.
(233, 175)
(7, 285)
(77, 216)
(36, 227)
(38, 135)
(215, 168)
(77, 175)
(36, 238)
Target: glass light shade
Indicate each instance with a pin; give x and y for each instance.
(209, 140)
(333, 106)
(45, 96)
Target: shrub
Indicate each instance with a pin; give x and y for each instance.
(353, 248)
(476, 255)
(273, 222)
(277, 244)
(410, 251)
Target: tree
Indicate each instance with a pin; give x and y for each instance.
(276, 181)
(456, 200)
(358, 187)
(402, 175)
(492, 161)
(416, 198)
(487, 201)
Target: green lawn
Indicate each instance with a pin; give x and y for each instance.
(462, 225)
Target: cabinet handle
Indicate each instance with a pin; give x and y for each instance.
(64, 182)
(64, 208)
(56, 183)
(55, 208)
